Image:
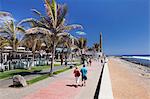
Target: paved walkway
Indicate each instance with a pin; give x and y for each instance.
(4, 83)
(58, 87)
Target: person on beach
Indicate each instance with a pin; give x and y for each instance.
(84, 75)
(77, 75)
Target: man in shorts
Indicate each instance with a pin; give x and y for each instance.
(84, 75)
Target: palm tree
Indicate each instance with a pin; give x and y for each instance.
(96, 47)
(53, 24)
(9, 30)
(32, 42)
(3, 14)
(3, 42)
(68, 42)
(82, 44)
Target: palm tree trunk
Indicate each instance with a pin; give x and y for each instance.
(32, 61)
(52, 61)
(1, 60)
(63, 54)
(14, 47)
(33, 52)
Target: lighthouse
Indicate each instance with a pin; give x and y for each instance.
(100, 43)
(100, 46)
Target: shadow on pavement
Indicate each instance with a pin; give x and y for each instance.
(73, 85)
(30, 73)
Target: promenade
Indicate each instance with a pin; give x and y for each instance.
(4, 83)
(120, 80)
(60, 86)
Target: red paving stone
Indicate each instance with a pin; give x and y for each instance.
(59, 89)
(56, 90)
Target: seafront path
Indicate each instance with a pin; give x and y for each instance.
(120, 80)
(60, 86)
(4, 83)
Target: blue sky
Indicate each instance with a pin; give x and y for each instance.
(124, 23)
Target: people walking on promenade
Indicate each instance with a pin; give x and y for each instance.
(87, 61)
(77, 75)
(90, 61)
(66, 60)
(62, 59)
(84, 75)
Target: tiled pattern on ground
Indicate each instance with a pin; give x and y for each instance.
(61, 89)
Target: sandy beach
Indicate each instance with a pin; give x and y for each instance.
(128, 81)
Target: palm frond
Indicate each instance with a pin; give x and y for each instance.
(7, 29)
(63, 34)
(74, 38)
(54, 10)
(2, 30)
(36, 12)
(3, 42)
(49, 11)
(20, 29)
(7, 26)
(43, 18)
(32, 21)
(62, 11)
(37, 30)
(2, 14)
(70, 27)
(12, 26)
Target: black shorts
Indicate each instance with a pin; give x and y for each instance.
(84, 78)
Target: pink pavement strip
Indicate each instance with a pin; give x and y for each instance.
(60, 89)
(56, 90)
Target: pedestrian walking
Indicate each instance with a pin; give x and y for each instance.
(84, 75)
(66, 60)
(90, 61)
(62, 59)
(77, 75)
(87, 61)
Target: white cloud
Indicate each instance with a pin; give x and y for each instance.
(81, 33)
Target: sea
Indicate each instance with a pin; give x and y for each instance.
(138, 59)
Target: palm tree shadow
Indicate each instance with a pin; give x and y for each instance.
(37, 72)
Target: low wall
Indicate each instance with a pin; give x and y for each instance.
(105, 87)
